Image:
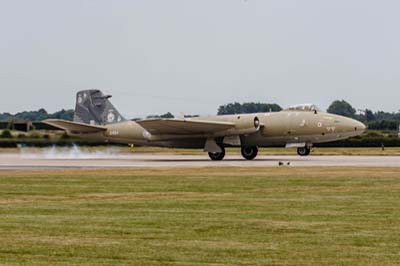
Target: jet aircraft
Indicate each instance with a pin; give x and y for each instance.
(299, 126)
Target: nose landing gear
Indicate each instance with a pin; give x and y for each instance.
(249, 153)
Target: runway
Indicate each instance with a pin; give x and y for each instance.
(16, 161)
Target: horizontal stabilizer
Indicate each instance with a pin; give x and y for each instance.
(74, 127)
(183, 126)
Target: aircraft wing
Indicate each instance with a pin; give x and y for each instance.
(74, 126)
(183, 126)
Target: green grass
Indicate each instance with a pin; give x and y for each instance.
(390, 151)
(224, 216)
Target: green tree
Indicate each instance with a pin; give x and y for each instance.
(6, 116)
(342, 108)
(63, 114)
(384, 125)
(369, 115)
(38, 115)
(6, 134)
(248, 108)
(166, 115)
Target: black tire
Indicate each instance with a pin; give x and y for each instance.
(249, 153)
(217, 156)
(304, 151)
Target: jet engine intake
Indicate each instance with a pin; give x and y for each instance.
(245, 125)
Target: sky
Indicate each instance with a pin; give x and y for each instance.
(190, 56)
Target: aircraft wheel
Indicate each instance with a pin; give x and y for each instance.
(304, 151)
(217, 156)
(249, 153)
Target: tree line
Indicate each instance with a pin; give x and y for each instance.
(248, 108)
(38, 115)
(379, 120)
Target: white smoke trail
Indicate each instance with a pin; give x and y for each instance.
(67, 153)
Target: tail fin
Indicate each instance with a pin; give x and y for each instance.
(93, 107)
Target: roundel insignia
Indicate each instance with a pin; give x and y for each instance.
(110, 117)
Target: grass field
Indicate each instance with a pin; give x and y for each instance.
(235, 216)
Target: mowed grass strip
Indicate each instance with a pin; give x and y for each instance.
(214, 216)
(324, 151)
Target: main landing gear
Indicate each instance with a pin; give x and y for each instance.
(249, 153)
(303, 151)
(217, 156)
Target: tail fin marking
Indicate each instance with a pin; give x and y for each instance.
(93, 107)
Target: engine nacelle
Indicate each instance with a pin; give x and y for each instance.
(244, 126)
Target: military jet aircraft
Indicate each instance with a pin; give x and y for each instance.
(298, 126)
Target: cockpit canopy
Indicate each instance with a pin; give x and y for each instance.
(303, 107)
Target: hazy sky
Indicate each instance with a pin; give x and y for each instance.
(190, 56)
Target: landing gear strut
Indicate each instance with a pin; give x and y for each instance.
(303, 151)
(249, 153)
(217, 156)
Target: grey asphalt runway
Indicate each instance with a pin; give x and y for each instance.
(93, 161)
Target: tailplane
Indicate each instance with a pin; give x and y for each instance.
(94, 108)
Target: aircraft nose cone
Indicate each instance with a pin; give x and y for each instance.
(359, 127)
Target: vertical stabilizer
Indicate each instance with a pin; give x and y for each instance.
(93, 107)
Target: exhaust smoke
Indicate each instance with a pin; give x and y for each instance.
(68, 153)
